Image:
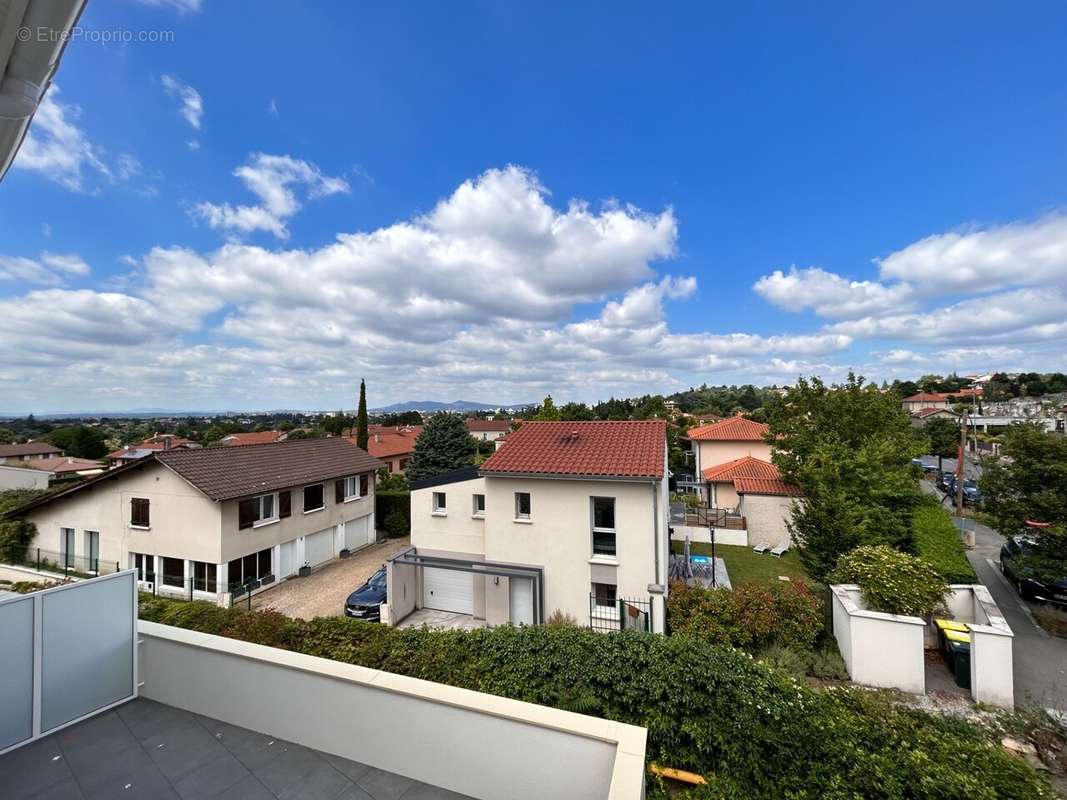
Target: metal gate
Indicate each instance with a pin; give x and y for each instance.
(624, 615)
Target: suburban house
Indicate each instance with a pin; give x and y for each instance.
(924, 415)
(28, 452)
(568, 516)
(218, 521)
(68, 466)
(253, 437)
(720, 480)
(765, 505)
(22, 476)
(392, 445)
(725, 442)
(135, 452)
(921, 400)
(488, 430)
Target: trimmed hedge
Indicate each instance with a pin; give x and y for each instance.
(937, 541)
(388, 504)
(892, 582)
(752, 731)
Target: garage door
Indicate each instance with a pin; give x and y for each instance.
(358, 533)
(448, 590)
(318, 547)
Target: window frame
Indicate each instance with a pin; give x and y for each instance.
(164, 582)
(304, 501)
(355, 494)
(439, 504)
(257, 509)
(614, 607)
(521, 516)
(477, 512)
(603, 531)
(207, 584)
(147, 515)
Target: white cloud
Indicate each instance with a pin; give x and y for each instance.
(830, 295)
(271, 178)
(181, 6)
(985, 259)
(57, 148)
(193, 144)
(50, 269)
(192, 104)
(69, 263)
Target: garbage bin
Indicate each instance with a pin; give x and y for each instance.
(961, 662)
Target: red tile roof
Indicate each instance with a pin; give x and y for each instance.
(940, 397)
(253, 437)
(156, 442)
(746, 467)
(629, 449)
(772, 486)
(488, 425)
(731, 429)
(387, 442)
(925, 412)
(64, 464)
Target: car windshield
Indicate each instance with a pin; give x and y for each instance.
(377, 579)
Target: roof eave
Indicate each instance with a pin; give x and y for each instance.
(570, 476)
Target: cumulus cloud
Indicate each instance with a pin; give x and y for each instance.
(191, 104)
(272, 179)
(830, 295)
(57, 148)
(49, 270)
(181, 6)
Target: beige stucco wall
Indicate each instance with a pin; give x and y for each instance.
(184, 523)
(12, 477)
(725, 495)
(766, 517)
(457, 530)
(711, 454)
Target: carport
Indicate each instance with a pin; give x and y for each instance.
(422, 580)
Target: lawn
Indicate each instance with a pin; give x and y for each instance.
(744, 566)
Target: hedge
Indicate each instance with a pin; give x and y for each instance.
(751, 730)
(388, 503)
(937, 540)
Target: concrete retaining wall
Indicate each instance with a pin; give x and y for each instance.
(884, 650)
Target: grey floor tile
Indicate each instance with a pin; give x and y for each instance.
(147, 718)
(354, 793)
(424, 791)
(32, 768)
(212, 778)
(183, 748)
(66, 789)
(95, 776)
(144, 783)
(382, 785)
(353, 770)
(254, 750)
(246, 789)
(288, 767)
(323, 782)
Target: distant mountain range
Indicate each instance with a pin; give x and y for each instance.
(431, 406)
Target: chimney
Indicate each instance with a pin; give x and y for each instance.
(377, 438)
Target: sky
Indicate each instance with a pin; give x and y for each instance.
(252, 207)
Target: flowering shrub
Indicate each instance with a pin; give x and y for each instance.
(892, 582)
(750, 617)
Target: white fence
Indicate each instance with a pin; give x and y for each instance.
(67, 653)
(703, 535)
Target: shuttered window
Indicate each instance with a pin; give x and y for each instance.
(139, 516)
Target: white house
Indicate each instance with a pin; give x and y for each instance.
(568, 516)
(215, 521)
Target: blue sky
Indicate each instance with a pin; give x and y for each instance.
(493, 201)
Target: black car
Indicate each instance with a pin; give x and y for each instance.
(1029, 588)
(366, 601)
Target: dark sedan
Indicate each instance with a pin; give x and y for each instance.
(366, 602)
(1012, 564)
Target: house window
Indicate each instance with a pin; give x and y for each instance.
(264, 508)
(351, 487)
(173, 572)
(204, 575)
(145, 566)
(439, 503)
(479, 505)
(314, 498)
(92, 550)
(522, 505)
(404, 463)
(139, 517)
(364, 485)
(66, 546)
(253, 567)
(604, 595)
(603, 526)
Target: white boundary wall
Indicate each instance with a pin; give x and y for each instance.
(992, 673)
(703, 535)
(884, 650)
(472, 743)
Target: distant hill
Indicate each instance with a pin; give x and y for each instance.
(431, 406)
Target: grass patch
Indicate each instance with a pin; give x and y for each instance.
(744, 566)
(937, 540)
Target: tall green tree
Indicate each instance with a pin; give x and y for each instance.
(79, 441)
(548, 411)
(444, 445)
(1030, 483)
(848, 448)
(944, 436)
(362, 436)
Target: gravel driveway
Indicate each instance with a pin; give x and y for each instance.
(323, 594)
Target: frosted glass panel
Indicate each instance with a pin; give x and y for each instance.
(87, 648)
(16, 671)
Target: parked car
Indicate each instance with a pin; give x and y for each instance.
(947, 483)
(366, 602)
(1012, 564)
(972, 495)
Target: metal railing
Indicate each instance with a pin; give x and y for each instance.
(68, 564)
(708, 517)
(624, 614)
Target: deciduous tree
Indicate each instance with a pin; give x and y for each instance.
(444, 445)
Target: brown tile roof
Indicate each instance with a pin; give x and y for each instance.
(746, 467)
(631, 449)
(940, 397)
(62, 464)
(925, 412)
(252, 437)
(156, 442)
(731, 429)
(223, 473)
(488, 425)
(27, 449)
(772, 486)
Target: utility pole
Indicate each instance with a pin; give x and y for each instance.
(961, 466)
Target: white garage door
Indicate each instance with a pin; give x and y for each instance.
(287, 559)
(318, 547)
(448, 590)
(358, 533)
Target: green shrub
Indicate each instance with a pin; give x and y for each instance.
(937, 541)
(395, 506)
(750, 616)
(396, 525)
(751, 730)
(561, 619)
(891, 581)
(792, 662)
(826, 663)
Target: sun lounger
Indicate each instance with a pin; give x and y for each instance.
(777, 551)
(762, 547)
